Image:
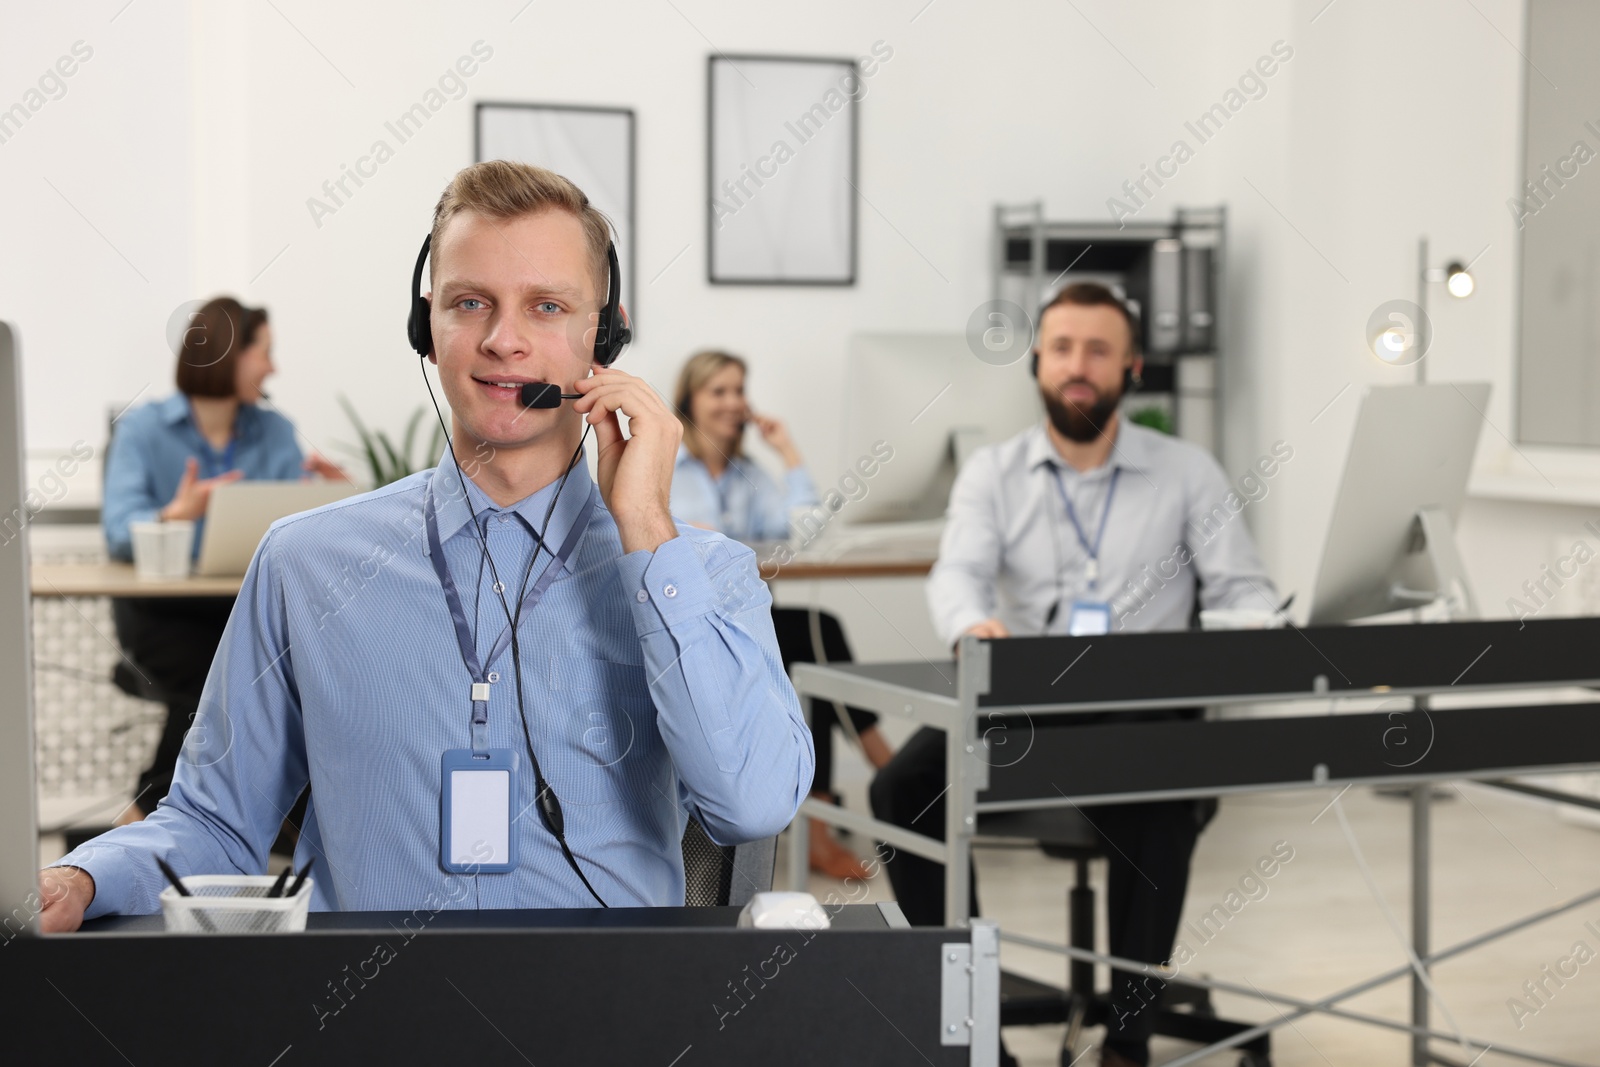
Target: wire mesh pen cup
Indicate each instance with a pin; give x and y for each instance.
(234, 904)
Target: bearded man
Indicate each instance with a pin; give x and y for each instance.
(1083, 524)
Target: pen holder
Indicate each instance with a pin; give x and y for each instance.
(234, 904)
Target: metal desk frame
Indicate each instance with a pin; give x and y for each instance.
(958, 711)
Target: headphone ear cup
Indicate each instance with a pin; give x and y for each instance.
(610, 341)
(614, 333)
(418, 329)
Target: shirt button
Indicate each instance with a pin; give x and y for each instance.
(499, 587)
(505, 518)
(641, 596)
(494, 676)
(670, 590)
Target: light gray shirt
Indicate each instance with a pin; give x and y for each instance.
(1174, 530)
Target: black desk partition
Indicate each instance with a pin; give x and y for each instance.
(649, 986)
(1201, 667)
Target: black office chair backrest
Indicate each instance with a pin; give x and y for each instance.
(716, 875)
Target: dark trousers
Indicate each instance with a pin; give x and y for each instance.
(171, 642)
(1148, 847)
(796, 644)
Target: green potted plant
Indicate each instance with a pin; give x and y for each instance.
(385, 462)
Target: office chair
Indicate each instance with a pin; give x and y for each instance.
(1185, 1011)
(718, 875)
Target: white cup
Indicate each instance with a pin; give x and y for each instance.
(161, 550)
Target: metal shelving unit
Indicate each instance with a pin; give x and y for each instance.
(1172, 271)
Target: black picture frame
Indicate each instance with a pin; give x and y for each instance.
(717, 272)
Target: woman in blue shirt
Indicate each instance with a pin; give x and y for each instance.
(164, 460)
(716, 486)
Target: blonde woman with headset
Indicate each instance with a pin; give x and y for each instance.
(717, 486)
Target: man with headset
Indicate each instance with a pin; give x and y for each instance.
(505, 688)
(1057, 531)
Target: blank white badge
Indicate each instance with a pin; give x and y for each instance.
(480, 817)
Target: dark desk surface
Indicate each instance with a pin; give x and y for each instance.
(840, 917)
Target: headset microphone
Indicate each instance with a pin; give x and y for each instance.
(545, 395)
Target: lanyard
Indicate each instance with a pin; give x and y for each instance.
(469, 653)
(1092, 568)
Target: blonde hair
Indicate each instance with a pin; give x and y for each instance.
(699, 369)
(501, 189)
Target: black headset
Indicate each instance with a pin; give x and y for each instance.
(610, 337)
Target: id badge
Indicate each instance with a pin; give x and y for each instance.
(475, 825)
(1089, 617)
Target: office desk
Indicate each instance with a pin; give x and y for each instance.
(1021, 683)
(844, 559)
(119, 580)
(664, 986)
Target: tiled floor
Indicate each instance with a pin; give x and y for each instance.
(1318, 928)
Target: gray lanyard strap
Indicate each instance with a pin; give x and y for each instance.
(469, 653)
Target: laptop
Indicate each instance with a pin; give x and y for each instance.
(240, 512)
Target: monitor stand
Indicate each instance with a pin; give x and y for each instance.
(1437, 537)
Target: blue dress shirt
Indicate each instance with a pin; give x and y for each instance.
(745, 503)
(653, 686)
(151, 444)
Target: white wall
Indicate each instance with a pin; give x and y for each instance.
(193, 138)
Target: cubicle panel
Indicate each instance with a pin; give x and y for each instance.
(1167, 758)
(647, 996)
(1214, 666)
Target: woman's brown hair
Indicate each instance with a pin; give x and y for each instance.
(211, 343)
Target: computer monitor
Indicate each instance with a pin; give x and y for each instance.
(933, 401)
(19, 845)
(1391, 541)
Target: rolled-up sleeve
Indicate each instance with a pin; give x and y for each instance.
(725, 708)
(961, 586)
(241, 768)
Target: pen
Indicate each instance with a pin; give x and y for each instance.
(183, 891)
(283, 878)
(300, 879)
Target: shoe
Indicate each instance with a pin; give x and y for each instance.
(830, 858)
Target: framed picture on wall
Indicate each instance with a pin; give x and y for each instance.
(593, 146)
(781, 169)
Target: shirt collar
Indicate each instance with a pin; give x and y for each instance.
(1129, 451)
(685, 456)
(175, 411)
(451, 512)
